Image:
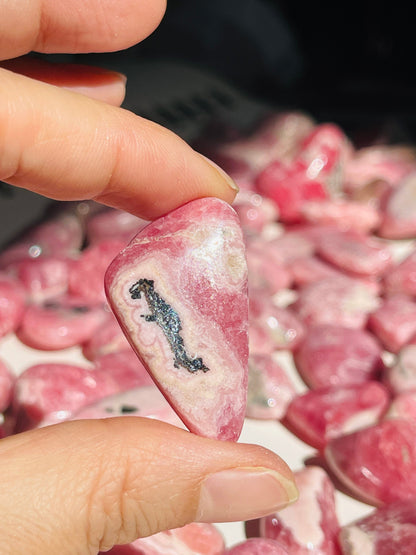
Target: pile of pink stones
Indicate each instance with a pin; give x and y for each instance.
(329, 232)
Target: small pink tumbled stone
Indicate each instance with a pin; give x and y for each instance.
(389, 530)
(322, 414)
(192, 539)
(403, 406)
(179, 291)
(401, 376)
(311, 269)
(12, 304)
(270, 389)
(281, 325)
(310, 525)
(112, 224)
(399, 215)
(332, 355)
(7, 380)
(258, 546)
(402, 278)
(394, 322)
(376, 464)
(125, 369)
(43, 278)
(108, 338)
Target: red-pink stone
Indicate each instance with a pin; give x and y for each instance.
(403, 406)
(389, 530)
(281, 326)
(144, 401)
(265, 271)
(310, 525)
(111, 224)
(86, 275)
(179, 291)
(258, 546)
(343, 214)
(401, 376)
(377, 464)
(125, 369)
(394, 322)
(289, 187)
(108, 338)
(7, 380)
(336, 300)
(270, 389)
(292, 245)
(192, 539)
(322, 414)
(59, 324)
(254, 212)
(332, 355)
(402, 278)
(48, 393)
(43, 278)
(310, 269)
(399, 215)
(355, 253)
(12, 304)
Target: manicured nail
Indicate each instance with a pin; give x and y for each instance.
(243, 494)
(230, 182)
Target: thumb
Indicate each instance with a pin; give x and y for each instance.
(84, 486)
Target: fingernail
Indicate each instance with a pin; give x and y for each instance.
(230, 182)
(243, 494)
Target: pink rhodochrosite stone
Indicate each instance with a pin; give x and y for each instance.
(403, 406)
(402, 278)
(43, 278)
(321, 414)
(336, 355)
(108, 338)
(377, 464)
(110, 224)
(179, 291)
(125, 368)
(309, 525)
(192, 539)
(258, 546)
(12, 304)
(6, 386)
(389, 530)
(394, 322)
(344, 214)
(401, 376)
(399, 220)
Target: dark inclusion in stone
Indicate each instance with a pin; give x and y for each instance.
(168, 320)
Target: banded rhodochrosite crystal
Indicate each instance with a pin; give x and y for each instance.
(179, 291)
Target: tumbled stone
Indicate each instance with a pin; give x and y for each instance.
(281, 326)
(332, 355)
(43, 278)
(311, 269)
(179, 289)
(401, 375)
(402, 278)
(254, 211)
(344, 214)
(124, 368)
(310, 525)
(192, 539)
(355, 253)
(59, 323)
(376, 464)
(108, 338)
(394, 322)
(322, 414)
(12, 304)
(389, 530)
(112, 224)
(7, 380)
(399, 214)
(257, 546)
(270, 389)
(403, 406)
(265, 271)
(336, 300)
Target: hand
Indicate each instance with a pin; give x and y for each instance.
(83, 486)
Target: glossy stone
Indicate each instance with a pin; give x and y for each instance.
(124, 368)
(257, 546)
(399, 215)
(389, 530)
(343, 214)
(311, 269)
(322, 414)
(43, 278)
(394, 322)
(402, 278)
(108, 338)
(332, 355)
(401, 375)
(402, 406)
(377, 464)
(12, 304)
(281, 326)
(7, 380)
(310, 525)
(112, 224)
(179, 291)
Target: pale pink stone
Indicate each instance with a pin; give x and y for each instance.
(281, 325)
(289, 186)
(59, 324)
(344, 214)
(402, 278)
(389, 530)
(179, 291)
(254, 212)
(144, 401)
(311, 269)
(401, 376)
(259, 339)
(394, 322)
(336, 300)
(332, 355)
(12, 304)
(376, 464)
(192, 539)
(112, 224)
(125, 368)
(49, 393)
(265, 271)
(292, 245)
(108, 338)
(322, 414)
(86, 275)
(257, 546)
(43, 278)
(403, 406)
(310, 525)
(7, 380)
(270, 389)
(356, 253)
(399, 215)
